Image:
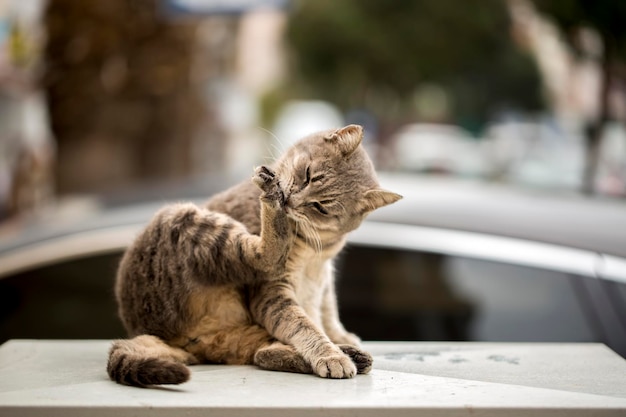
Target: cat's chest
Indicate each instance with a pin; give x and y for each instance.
(311, 277)
(310, 280)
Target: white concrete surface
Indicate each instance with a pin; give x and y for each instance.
(67, 378)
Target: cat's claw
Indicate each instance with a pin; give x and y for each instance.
(336, 367)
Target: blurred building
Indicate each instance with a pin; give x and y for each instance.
(98, 96)
(26, 145)
(122, 103)
(573, 83)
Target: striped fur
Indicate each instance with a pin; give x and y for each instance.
(248, 279)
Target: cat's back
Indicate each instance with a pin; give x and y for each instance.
(180, 251)
(241, 203)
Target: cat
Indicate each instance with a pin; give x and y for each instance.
(248, 278)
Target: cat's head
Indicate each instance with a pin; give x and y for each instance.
(329, 181)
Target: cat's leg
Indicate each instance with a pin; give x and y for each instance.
(211, 245)
(252, 344)
(348, 342)
(281, 357)
(274, 305)
(233, 345)
(269, 250)
(330, 312)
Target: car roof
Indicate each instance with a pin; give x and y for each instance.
(592, 223)
(439, 213)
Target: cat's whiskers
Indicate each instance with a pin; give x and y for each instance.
(340, 204)
(268, 160)
(281, 146)
(272, 148)
(309, 233)
(274, 151)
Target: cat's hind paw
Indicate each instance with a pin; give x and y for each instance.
(361, 359)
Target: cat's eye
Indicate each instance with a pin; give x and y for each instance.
(319, 207)
(308, 179)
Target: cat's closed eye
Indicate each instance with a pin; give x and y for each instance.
(308, 179)
(317, 178)
(319, 206)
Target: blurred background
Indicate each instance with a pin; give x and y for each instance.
(100, 96)
(107, 103)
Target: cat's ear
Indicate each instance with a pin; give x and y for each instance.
(347, 139)
(377, 198)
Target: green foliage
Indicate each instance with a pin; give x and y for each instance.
(349, 50)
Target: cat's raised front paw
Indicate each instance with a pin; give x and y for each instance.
(265, 178)
(335, 366)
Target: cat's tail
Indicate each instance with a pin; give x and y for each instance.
(147, 360)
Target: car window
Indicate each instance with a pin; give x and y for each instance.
(68, 300)
(404, 295)
(384, 294)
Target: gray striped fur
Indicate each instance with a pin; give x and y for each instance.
(248, 278)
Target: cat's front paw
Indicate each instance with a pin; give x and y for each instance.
(361, 359)
(265, 178)
(335, 366)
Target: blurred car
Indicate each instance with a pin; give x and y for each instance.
(539, 153)
(453, 260)
(438, 148)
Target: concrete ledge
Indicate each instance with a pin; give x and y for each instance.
(67, 378)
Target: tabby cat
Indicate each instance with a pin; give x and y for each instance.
(248, 279)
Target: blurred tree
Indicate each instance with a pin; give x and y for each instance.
(607, 18)
(355, 51)
(118, 84)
